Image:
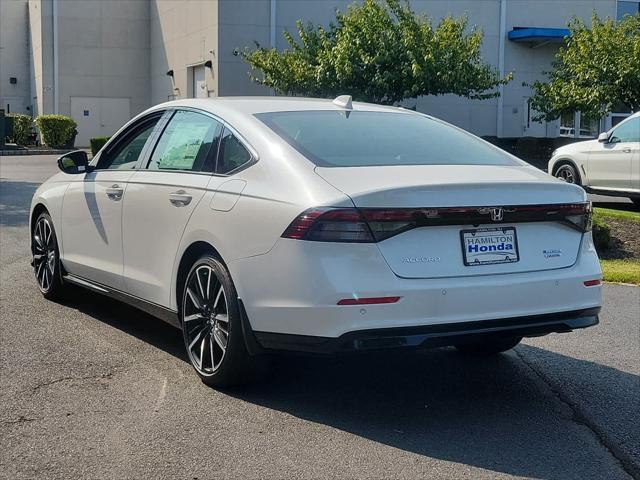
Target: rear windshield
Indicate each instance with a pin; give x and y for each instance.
(359, 138)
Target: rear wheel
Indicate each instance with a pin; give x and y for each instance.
(568, 173)
(489, 346)
(46, 258)
(211, 327)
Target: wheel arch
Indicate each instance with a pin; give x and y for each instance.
(194, 251)
(568, 161)
(37, 210)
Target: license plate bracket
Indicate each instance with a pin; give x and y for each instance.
(489, 246)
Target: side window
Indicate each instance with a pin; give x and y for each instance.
(189, 142)
(125, 154)
(232, 153)
(627, 132)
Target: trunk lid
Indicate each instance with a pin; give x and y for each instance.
(440, 250)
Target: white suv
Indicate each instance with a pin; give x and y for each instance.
(609, 165)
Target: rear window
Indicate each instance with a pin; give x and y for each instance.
(357, 139)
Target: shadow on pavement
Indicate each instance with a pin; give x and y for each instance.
(493, 413)
(15, 202)
(615, 205)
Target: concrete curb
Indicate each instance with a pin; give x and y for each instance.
(36, 152)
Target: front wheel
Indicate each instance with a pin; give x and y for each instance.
(568, 173)
(489, 346)
(211, 327)
(46, 258)
(636, 202)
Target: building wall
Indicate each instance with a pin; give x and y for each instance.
(14, 56)
(243, 22)
(124, 49)
(528, 63)
(104, 52)
(183, 34)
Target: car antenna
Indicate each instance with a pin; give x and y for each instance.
(343, 101)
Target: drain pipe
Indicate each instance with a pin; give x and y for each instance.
(56, 95)
(272, 28)
(501, 47)
(272, 24)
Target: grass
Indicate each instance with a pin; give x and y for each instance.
(621, 271)
(619, 214)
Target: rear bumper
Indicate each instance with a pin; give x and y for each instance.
(430, 335)
(296, 288)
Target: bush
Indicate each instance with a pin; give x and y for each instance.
(97, 143)
(22, 125)
(57, 130)
(601, 234)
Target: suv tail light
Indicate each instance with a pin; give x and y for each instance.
(369, 225)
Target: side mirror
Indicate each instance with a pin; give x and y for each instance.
(74, 162)
(603, 137)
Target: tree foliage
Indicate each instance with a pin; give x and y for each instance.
(597, 70)
(378, 51)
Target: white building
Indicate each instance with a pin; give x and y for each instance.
(103, 61)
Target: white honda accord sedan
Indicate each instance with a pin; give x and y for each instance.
(261, 224)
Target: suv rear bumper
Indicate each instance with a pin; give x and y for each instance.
(438, 335)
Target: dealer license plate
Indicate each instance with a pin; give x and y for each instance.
(489, 246)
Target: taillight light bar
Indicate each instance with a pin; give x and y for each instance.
(369, 225)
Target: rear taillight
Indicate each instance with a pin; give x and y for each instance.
(330, 225)
(366, 225)
(580, 216)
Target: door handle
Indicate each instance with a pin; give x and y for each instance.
(180, 198)
(627, 150)
(115, 192)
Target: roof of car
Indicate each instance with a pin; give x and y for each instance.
(252, 105)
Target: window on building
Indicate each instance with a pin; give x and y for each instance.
(628, 7)
(588, 127)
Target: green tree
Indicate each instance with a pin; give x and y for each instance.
(378, 51)
(597, 70)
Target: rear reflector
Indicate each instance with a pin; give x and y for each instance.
(368, 301)
(592, 283)
(368, 225)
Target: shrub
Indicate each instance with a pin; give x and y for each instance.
(56, 130)
(22, 125)
(601, 234)
(97, 143)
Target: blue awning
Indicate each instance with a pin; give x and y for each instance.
(536, 35)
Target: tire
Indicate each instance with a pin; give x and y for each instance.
(568, 173)
(211, 328)
(46, 258)
(489, 346)
(636, 202)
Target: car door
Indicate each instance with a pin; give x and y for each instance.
(610, 162)
(161, 198)
(92, 207)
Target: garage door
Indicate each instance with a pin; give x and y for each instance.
(98, 116)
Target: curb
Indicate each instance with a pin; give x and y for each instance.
(35, 152)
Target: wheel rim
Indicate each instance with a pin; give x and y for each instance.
(567, 175)
(205, 320)
(44, 254)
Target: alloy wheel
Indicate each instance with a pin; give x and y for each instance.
(566, 174)
(44, 254)
(205, 320)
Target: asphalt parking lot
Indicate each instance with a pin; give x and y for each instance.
(95, 389)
